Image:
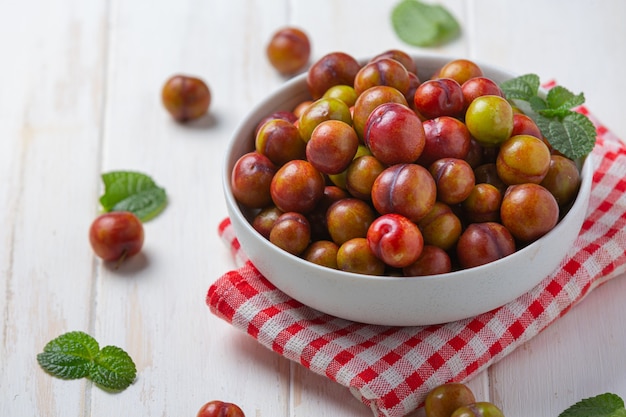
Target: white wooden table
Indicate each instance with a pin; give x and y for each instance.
(80, 95)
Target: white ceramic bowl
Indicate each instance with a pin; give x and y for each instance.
(391, 300)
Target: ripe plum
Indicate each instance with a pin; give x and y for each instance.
(322, 252)
(482, 243)
(297, 186)
(443, 400)
(356, 256)
(349, 218)
(406, 189)
(432, 261)
(400, 56)
(441, 227)
(522, 159)
(383, 71)
(361, 174)
(445, 137)
(116, 235)
(220, 409)
(394, 134)
(478, 409)
(251, 178)
(332, 146)
(291, 232)
(335, 68)
(186, 97)
(562, 180)
(454, 179)
(460, 70)
(289, 50)
(439, 97)
(320, 111)
(280, 141)
(396, 240)
(529, 211)
(369, 100)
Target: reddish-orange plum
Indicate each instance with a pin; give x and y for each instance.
(383, 71)
(186, 97)
(529, 211)
(522, 159)
(289, 50)
(251, 178)
(439, 97)
(406, 189)
(356, 256)
(479, 86)
(460, 70)
(280, 141)
(394, 134)
(220, 409)
(482, 243)
(335, 68)
(396, 240)
(332, 146)
(297, 186)
(116, 236)
(291, 232)
(445, 137)
(454, 179)
(432, 261)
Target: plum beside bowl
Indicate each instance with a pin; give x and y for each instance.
(395, 301)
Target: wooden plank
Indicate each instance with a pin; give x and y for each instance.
(50, 116)
(154, 305)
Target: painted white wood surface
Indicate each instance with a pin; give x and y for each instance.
(80, 96)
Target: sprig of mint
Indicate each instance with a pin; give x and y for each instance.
(134, 192)
(568, 131)
(422, 24)
(603, 405)
(75, 355)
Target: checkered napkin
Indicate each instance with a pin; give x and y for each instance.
(391, 369)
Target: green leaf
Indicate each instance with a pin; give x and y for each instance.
(132, 191)
(146, 204)
(113, 369)
(573, 135)
(523, 87)
(424, 25)
(69, 356)
(537, 104)
(77, 355)
(561, 98)
(603, 405)
(569, 132)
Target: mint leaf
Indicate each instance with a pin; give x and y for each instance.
(567, 131)
(573, 135)
(523, 87)
(537, 104)
(603, 405)
(424, 25)
(146, 204)
(134, 192)
(561, 98)
(69, 356)
(113, 369)
(76, 355)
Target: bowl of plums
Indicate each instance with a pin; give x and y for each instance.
(402, 190)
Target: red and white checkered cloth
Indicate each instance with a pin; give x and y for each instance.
(391, 369)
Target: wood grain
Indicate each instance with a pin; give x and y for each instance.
(81, 96)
